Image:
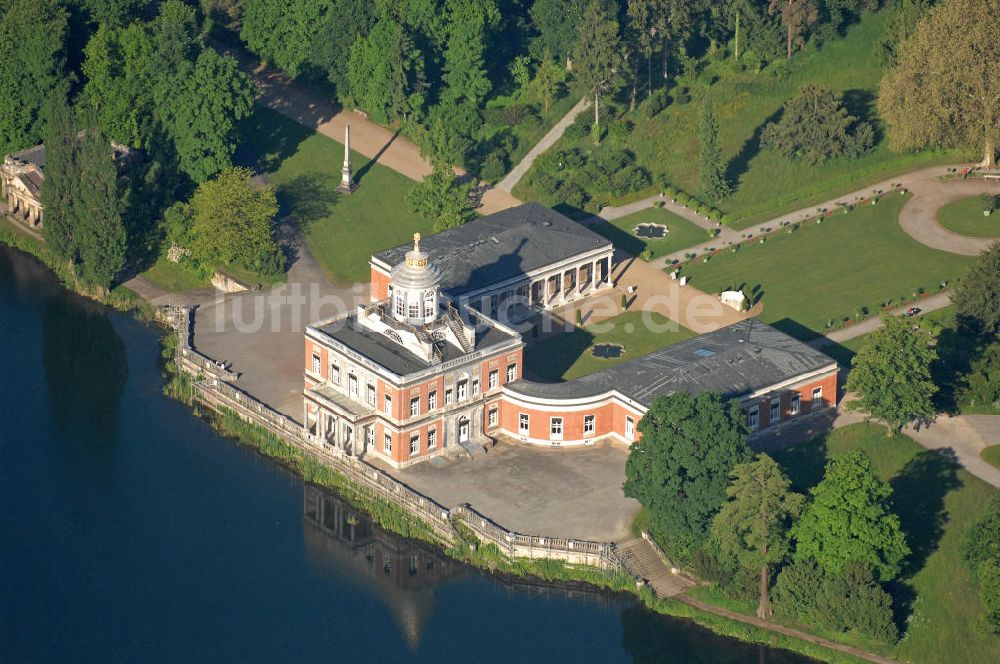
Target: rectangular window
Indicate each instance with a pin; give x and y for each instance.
(555, 427)
(475, 387)
(794, 406)
(494, 417)
(334, 374)
(414, 406)
(414, 444)
(414, 311)
(775, 414)
(371, 395)
(352, 383)
(753, 418)
(522, 424)
(463, 390)
(387, 405)
(432, 438)
(400, 307)
(494, 378)
(387, 443)
(448, 397)
(817, 398)
(511, 373)
(629, 427)
(432, 400)
(588, 425)
(370, 436)
(316, 364)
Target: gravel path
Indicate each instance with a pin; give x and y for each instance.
(547, 141)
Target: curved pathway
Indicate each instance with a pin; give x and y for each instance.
(547, 141)
(919, 216)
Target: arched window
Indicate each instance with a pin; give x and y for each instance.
(428, 304)
(400, 304)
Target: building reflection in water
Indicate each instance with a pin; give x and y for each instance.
(404, 573)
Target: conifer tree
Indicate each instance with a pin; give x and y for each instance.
(100, 229)
(711, 171)
(61, 182)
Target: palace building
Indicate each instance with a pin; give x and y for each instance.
(417, 372)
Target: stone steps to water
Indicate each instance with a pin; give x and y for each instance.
(644, 563)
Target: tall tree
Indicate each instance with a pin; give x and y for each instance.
(32, 67)
(797, 16)
(597, 58)
(753, 525)
(898, 28)
(386, 73)
(977, 294)
(738, 11)
(945, 87)
(61, 182)
(349, 20)
(231, 220)
(815, 126)
(558, 24)
(891, 374)
(469, 25)
(711, 169)
(680, 469)
(647, 18)
(548, 77)
(98, 210)
(284, 32)
(849, 520)
(442, 199)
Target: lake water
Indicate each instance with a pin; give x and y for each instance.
(131, 532)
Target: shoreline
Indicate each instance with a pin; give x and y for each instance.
(469, 548)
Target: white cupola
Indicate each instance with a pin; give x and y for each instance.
(415, 284)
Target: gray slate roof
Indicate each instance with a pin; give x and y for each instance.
(734, 360)
(35, 155)
(500, 246)
(394, 357)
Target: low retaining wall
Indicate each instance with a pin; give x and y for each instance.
(213, 389)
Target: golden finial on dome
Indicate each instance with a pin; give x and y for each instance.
(415, 258)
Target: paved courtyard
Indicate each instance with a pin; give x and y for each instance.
(568, 492)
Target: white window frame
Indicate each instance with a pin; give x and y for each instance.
(428, 304)
(335, 373)
(449, 396)
(629, 427)
(753, 418)
(795, 404)
(414, 444)
(387, 404)
(555, 428)
(413, 310)
(512, 372)
(475, 387)
(372, 394)
(317, 363)
(817, 398)
(432, 400)
(494, 378)
(589, 424)
(523, 424)
(370, 437)
(387, 443)
(352, 385)
(414, 406)
(774, 414)
(432, 438)
(462, 388)
(493, 416)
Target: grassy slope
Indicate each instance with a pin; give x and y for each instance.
(828, 271)
(682, 232)
(568, 356)
(965, 217)
(766, 184)
(173, 276)
(936, 503)
(342, 231)
(991, 455)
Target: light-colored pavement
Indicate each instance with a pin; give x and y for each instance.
(926, 305)
(611, 213)
(546, 142)
(917, 219)
(279, 93)
(568, 492)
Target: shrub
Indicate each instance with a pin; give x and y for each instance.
(516, 113)
(682, 97)
(988, 202)
(683, 199)
(619, 130)
(646, 255)
(573, 194)
(579, 128)
(494, 166)
(550, 162)
(655, 103)
(670, 192)
(630, 180)
(547, 186)
(815, 126)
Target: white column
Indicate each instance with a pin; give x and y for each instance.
(305, 419)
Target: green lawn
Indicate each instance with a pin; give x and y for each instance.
(965, 217)
(174, 277)
(936, 501)
(991, 455)
(568, 355)
(830, 270)
(343, 231)
(767, 184)
(682, 232)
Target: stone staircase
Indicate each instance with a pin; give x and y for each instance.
(644, 563)
(473, 448)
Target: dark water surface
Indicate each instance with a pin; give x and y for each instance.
(130, 532)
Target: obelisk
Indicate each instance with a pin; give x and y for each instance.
(346, 178)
